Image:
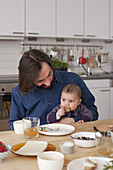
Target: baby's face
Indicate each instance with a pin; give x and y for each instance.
(69, 100)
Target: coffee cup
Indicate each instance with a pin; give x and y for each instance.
(18, 127)
(51, 160)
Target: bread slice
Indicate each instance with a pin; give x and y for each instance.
(90, 164)
(90, 160)
(67, 109)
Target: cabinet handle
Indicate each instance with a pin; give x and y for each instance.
(91, 35)
(76, 35)
(18, 33)
(33, 33)
(105, 90)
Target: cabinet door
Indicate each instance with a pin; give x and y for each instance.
(12, 18)
(97, 19)
(70, 18)
(111, 103)
(102, 101)
(111, 19)
(40, 18)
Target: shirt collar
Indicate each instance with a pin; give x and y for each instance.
(57, 76)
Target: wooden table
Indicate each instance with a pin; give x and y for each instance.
(15, 162)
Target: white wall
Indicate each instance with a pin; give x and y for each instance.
(11, 51)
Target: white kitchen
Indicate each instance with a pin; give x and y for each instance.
(80, 28)
(78, 37)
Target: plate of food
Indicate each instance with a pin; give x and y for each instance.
(95, 163)
(32, 148)
(56, 129)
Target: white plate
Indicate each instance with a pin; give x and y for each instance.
(15, 148)
(78, 163)
(63, 129)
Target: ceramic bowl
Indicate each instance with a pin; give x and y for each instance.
(5, 154)
(67, 147)
(90, 140)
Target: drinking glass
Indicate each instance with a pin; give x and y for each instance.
(31, 127)
(105, 147)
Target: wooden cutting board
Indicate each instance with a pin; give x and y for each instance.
(91, 62)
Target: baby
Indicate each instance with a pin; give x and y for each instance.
(70, 106)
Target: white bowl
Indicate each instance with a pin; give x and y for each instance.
(85, 142)
(4, 154)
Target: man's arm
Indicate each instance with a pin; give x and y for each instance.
(17, 108)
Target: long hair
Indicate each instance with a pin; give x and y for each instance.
(30, 66)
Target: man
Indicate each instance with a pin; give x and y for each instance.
(40, 87)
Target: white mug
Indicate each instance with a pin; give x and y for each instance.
(50, 160)
(18, 127)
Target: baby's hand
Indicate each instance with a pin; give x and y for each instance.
(80, 121)
(61, 112)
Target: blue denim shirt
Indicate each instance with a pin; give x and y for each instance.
(40, 102)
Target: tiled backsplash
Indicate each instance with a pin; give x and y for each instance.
(11, 51)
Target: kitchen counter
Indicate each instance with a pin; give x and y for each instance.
(14, 78)
(96, 76)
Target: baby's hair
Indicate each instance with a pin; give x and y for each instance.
(72, 88)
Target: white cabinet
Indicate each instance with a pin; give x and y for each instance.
(111, 19)
(102, 92)
(102, 102)
(70, 18)
(12, 18)
(97, 19)
(40, 18)
(83, 18)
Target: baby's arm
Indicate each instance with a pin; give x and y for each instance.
(60, 113)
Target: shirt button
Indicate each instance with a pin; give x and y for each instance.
(49, 103)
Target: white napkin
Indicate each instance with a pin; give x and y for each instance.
(32, 148)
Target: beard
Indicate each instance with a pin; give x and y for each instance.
(43, 86)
